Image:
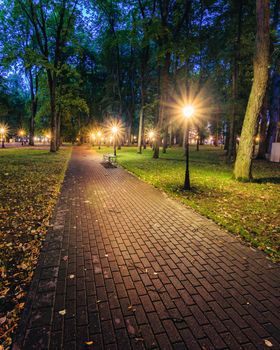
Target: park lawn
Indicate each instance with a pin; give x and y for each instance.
(250, 210)
(30, 182)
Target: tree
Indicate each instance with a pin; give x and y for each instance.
(243, 164)
(52, 23)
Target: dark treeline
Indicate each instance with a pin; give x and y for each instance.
(69, 65)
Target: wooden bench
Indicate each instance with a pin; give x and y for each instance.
(109, 158)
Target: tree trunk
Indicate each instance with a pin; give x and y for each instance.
(262, 131)
(242, 168)
(231, 152)
(140, 130)
(58, 141)
(165, 139)
(52, 89)
(274, 112)
(164, 87)
(34, 104)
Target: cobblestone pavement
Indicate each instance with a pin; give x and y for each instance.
(126, 267)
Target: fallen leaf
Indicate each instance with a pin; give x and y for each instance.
(65, 258)
(139, 339)
(72, 276)
(2, 320)
(62, 312)
(20, 305)
(268, 343)
(90, 342)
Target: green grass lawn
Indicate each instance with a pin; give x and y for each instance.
(29, 185)
(251, 210)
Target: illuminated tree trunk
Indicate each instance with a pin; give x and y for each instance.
(164, 85)
(242, 168)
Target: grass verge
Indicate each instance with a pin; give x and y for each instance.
(30, 182)
(250, 210)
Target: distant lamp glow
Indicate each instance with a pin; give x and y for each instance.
(258, 139)
(114, 130)
(151, 134)
(99, 134)
(3, 132)
(188, 111)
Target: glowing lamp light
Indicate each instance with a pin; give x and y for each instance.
(188, 111)
(151, 134)
(99, 133)
(2, 131)
(114, 130)
(93, 136)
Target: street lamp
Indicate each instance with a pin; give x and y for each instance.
(114, 131)
(21, 134)
(188, 112)
(151, 135)
(99, 134)
(93, 137)
(3, 132)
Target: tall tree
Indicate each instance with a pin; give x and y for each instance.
(52, 23)
(243, 164)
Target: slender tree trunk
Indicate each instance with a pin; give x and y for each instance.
(52, 89)
(231, 152)
(58, 127)
(262, 131)
(164, 86)
(242, 168)
(274, 85)
(274, 112)
(140, 130)
(34, 103)
(165, 139)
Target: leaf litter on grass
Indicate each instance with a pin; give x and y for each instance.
(27, 197)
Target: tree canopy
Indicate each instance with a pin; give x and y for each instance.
(68, 65)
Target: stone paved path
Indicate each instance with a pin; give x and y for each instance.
(134, 269)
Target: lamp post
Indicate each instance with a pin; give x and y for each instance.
(21, 134)
(3, 132)
(151, 137)
(188, 112)
(99, 134)
(114, 130)
(92, 138)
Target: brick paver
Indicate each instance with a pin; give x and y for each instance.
(134, 269)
